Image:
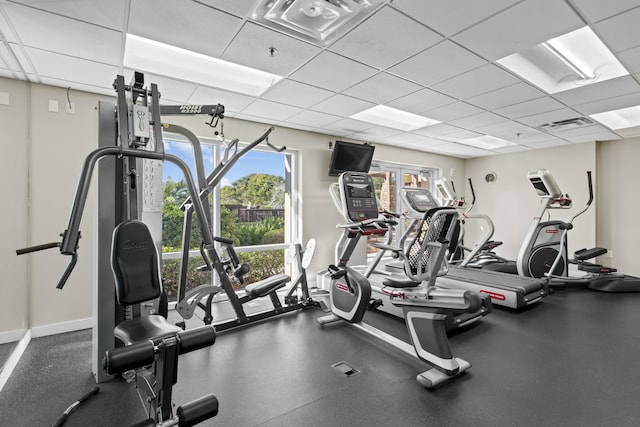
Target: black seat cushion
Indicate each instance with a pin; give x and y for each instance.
(144, 328)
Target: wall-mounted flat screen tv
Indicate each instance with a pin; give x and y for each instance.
(349, 156)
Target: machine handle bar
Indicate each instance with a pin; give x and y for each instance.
(590, 180)
(473, 193)
(37, 248)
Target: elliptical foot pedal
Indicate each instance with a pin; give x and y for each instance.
(374, 303)
(434, 377)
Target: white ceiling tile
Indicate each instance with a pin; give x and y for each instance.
(402, 138)
(170, 89)
(556, 142)
(297, 126)
(233, 102)
(342, 105)
(437, 130)
(597, 10)
(597, 91)
(530, 108)
(256, 119)
(381, 88)
(630, 58)
(11, 57)
(346, 127)
(438, 63)
(509, 130)
(79, 86)
(107, 13)
(512, 149)
(453, 111)
(422, 100)
(549, 117)
(251, 47)
(312, 118)
(297, 94)
(4, 72)
(621, 32)
(369, 45)
(425, 142)
(332, 72)
(269, 109)
(610, 104)
(239, 8)
(604, 135)
(451, 16)
(460, 135)
(519, 27)
(68, 68)
(460, 150)
(477, 120)
(585, 133)
(514, 94)
(481, 80)
(184, 24)
(375, 133)
(48, 31)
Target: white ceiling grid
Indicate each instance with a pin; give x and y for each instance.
(435, 58)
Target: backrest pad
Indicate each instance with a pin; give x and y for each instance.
(135, 263)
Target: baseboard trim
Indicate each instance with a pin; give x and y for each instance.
(62, 327)
(11, 336)
(14, 358)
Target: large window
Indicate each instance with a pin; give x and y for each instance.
(251, 205)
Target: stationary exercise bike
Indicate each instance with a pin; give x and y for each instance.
(425, 306)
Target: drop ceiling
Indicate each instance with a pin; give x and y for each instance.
(435, 58)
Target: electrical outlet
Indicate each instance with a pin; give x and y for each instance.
(609, 254)
(53, 105)
(70, 107)
(4, 98)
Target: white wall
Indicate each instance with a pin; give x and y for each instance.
(617, 228)
(511, 201)
(14, 289)
(59, 143)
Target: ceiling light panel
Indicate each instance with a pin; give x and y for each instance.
(575, 59)
(162, 59)
(619, 119)
(382, 115)
(314, 20)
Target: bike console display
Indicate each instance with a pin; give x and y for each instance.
(358, 196)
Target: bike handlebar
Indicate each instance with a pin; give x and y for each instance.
(37, 248)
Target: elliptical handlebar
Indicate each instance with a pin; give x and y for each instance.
(590, 180)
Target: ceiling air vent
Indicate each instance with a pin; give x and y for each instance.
(566, 124)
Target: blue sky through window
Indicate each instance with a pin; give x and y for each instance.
(252, 162)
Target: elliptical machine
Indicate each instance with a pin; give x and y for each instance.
(425, 306)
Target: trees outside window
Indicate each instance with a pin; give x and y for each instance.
(250, 207)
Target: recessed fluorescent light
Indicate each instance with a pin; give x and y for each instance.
(317, 21)
(574, 59)
(171, 61)
(619, 119)
(393, 118)
(487, 142)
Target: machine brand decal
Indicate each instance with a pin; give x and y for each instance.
(552, 231)
(133, 245)
(190, 109)
(342, 287)
(494, 295)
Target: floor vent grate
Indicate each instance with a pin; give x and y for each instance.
(345, 369)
